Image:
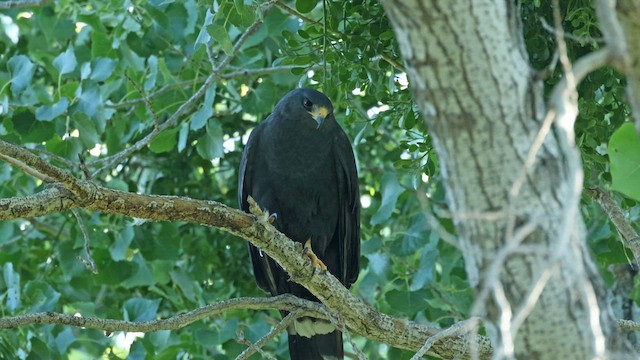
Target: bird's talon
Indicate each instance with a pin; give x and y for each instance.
(314, 258)
(253, 207)
(272, 218)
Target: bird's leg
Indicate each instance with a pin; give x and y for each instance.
(314, 258)
(255, 209)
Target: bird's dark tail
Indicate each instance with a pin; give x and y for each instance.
(317, 347)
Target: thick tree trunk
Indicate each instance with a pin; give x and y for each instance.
(513, 179)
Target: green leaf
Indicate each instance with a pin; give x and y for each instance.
(407, 302)
(12, 283)
(185, 282)
(89, 100)
(89, 135)
(164, 142)
(50, 112)
(137, 351)
(41, 296)
(102, 68)
(426, 267)
(138, 309)
(6, 227)
(21, 69)
(305, 6)
(30, 129)
(414, 237)
(199, 119)
(65, 338)
(142, 274)
(391, 190)
(182, 136)
(210, 146)
(624, 153)
(119, 247)
(203, 36)
(65, 62)
(100, 45)
(378, 263)
(221, 37)
(152, 65)
(262, 98)
(68, 148)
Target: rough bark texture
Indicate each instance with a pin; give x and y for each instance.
(513, 181)
(628, 12)
(66, 193)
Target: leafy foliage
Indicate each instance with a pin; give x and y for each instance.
(83, 81)
(625, 161)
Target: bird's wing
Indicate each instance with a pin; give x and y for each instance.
(263, 269)
(349, 210)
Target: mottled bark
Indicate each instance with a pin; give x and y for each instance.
(512, 174)
(66, 192)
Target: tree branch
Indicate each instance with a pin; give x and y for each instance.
(39, 168)
(178, 114)
(23, 3)
(282, 325)
(628, 235)
(629, 325)
(281, 302)
(620, 24)
(338, 34)
(358, 316)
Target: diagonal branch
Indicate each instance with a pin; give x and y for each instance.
(282, 325)
(358, 316)
(628, 235)
(35, 166)
(182, 110)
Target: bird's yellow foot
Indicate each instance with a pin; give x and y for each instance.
(314, 258)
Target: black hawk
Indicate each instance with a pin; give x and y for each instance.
(298, 164)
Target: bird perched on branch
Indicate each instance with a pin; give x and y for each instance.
(299, 165)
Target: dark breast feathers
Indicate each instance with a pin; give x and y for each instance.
(299, 165)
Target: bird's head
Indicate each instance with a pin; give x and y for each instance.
(308, 104)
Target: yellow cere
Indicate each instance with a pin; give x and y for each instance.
(320, 111)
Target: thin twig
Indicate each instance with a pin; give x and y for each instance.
(245, 36)
(338, 34)
(158, 92)
(459, 328)
(89, 263)
(392, 62)
(305, 18)
(173, 119)
(235, 73)
(580, 39)
(282, 325)
(266, 71)
(145, 99)
(68, 163)
(33, 165)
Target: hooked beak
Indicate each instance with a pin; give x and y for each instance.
(319, 114)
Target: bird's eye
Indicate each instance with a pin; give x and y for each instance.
(307, 104)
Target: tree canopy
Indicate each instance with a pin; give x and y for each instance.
(158, 98)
